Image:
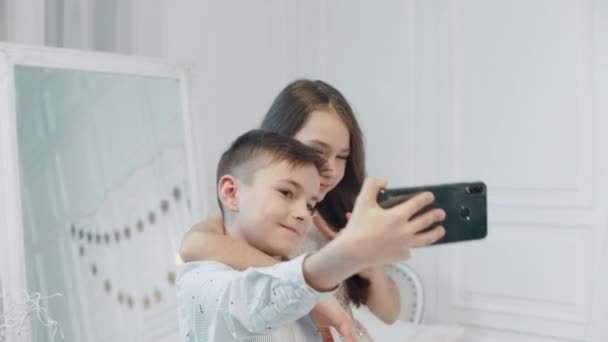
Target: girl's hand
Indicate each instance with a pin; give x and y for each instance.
(329, 313)
(324, 228)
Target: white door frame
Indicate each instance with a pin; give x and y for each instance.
(12, 257)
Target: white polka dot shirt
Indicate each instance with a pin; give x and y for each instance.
(266, 304)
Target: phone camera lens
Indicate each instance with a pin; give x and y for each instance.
(465, 213)
(477, 189)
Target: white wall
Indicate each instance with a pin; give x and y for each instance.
(239, 55)
(508, 92)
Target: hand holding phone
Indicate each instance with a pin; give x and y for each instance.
(465, 205)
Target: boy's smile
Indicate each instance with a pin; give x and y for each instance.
(293, 229)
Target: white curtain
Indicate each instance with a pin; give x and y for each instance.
(121, 26)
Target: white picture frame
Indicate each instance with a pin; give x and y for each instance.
(12, 257)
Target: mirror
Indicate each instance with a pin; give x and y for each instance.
(105, 201)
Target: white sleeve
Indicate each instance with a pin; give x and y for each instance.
(250, 303)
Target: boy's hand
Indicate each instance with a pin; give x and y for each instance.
(373, 237)
(329, 313)
(376, 236)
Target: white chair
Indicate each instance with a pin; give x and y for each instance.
(411, 292)
(411, 327)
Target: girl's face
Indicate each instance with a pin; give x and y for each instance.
(325, 131)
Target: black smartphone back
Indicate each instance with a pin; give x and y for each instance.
(465, 205)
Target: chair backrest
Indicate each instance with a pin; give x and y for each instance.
(411, 292)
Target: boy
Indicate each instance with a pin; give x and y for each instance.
(267, 186)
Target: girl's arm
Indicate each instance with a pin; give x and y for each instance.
(383, 299)
(207, 241)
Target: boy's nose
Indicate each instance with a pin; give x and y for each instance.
(300, 212)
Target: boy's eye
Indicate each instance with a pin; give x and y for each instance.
(286, 193)
(342, 157)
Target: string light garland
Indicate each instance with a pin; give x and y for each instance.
(90, 237)
(85, 237)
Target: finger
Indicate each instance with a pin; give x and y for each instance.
(428, 238)
(323, 227)
(346, 331)
(427, 219)
(326, 335)
(348, 338)
(412, 206)
(369, 191)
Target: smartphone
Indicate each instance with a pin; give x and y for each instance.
(465, 205)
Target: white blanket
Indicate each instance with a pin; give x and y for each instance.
(408, 332)
(431, 333)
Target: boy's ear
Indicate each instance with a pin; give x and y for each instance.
(227, 191)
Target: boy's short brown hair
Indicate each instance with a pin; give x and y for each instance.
(258, 148)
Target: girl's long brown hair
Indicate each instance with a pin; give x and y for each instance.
(287, 115)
